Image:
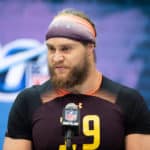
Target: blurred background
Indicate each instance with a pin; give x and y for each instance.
(123, 44)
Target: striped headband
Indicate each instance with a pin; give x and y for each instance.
(71, 26)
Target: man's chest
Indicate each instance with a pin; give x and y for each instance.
(101, 125)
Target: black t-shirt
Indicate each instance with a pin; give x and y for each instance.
(103, 126)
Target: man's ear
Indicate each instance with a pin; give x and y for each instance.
(90, 48)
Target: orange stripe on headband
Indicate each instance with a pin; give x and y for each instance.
(77, 19)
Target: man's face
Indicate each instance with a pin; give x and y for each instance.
(68, 62)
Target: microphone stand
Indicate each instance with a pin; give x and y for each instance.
(70, 123)
(68, 139)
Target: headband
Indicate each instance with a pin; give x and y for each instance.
(71, 26)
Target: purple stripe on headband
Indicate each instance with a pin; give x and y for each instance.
(69, 29)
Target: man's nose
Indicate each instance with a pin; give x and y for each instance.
(58, 56)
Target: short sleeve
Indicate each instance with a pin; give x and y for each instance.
(19, 124)
(137, 114)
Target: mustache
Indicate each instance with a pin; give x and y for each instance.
(59, 65)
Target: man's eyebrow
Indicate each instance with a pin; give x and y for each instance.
(61, 45)
(49, 44)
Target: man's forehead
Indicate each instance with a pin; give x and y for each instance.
(61, 41)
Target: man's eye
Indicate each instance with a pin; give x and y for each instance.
(51, 48)
(66, 48)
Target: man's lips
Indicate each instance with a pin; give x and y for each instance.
(60, 68)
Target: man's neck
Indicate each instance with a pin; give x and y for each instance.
(89, 86)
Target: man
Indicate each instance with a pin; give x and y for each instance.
(112, 116)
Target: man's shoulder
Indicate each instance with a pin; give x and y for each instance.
(116, 87)
(129, 99)
(123, 93)
(37, 89)
(33, 94)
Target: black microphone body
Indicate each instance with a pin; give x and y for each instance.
(68, 138)
(70, 123)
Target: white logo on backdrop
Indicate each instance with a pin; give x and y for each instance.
(22, 64)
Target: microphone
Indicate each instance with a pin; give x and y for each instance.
(70, 123)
